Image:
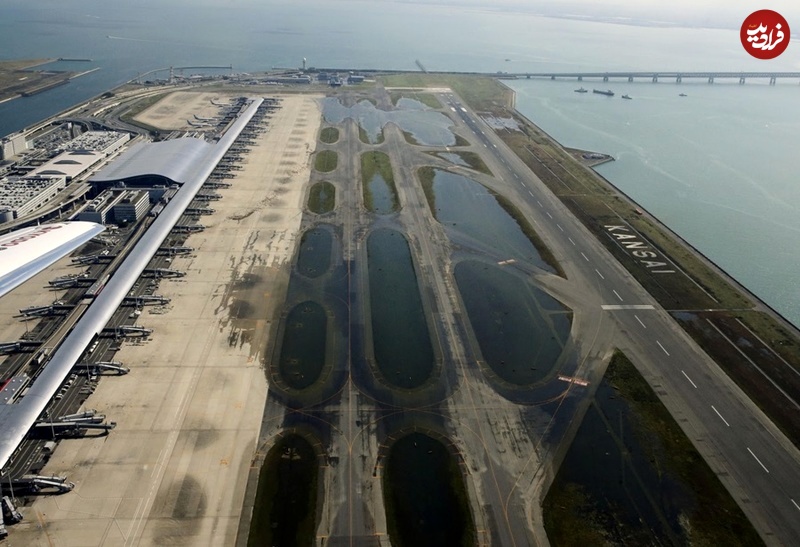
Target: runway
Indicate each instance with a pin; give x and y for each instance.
(753, 459)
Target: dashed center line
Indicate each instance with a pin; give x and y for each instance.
(640, 321)
(628, 307)
(720, 416)
(662, 347)
(690, 380)
(584, 256)
(616, 294)
(598, 273)
(759, 461)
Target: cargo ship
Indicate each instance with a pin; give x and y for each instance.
(608, 92)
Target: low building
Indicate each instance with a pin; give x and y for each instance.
(101, 142)
(23, 195)
(70, 165)
(290, 80)
(12, 145)
(116, 206)
(132, 207)
(100, 209)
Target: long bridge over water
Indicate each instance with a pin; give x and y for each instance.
(656, 76)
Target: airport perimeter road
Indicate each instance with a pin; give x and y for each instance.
(754, 460)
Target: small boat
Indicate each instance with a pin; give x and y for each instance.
(626, 96)
(608, 93)
(683, 95)
(581, 90)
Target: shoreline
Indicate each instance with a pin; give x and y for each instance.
(756, 300)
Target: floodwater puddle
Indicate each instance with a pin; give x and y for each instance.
(400, 338)
(427, 127)
(425, 495)
(654, 487)
(377, 177)
(379, 197)
(521, 338)
(302, 355)
(314, 257)
(286, 500)
(474, 218)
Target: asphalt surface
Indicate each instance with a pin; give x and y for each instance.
(753, 459)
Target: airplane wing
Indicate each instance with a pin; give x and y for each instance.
(26, 252)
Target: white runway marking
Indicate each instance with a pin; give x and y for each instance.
(548, 214)
(584, 256)
(617, 294)
(690, 380)
(720, 416)
(559, 226)
(759, 461)
(540, 203)
(531, 193)
(662, 347)
(795, 504)
(570, 240)
(598, 273)
(640, 321)
(628, 307)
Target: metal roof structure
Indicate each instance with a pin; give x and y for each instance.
(69, 164)
(16, 419)
(179, 160)
(26, 252)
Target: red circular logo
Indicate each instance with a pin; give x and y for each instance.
(765, 34)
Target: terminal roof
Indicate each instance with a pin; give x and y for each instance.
(179, 160)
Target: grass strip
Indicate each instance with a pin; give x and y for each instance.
(329, 135)
(372, 163)
(326, 161)
(322, 198)
(527, 229)
(364, 137)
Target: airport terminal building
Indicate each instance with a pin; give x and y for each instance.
(21, 196)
